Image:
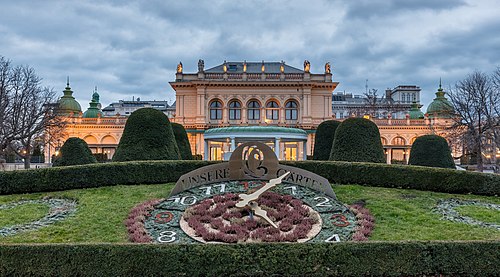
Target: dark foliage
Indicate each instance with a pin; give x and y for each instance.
(147, 136)
(357, 140)
(182, 141)
(154, 172)
(404, 176)
(431, 150)
(410, 258)
(75, 151)
(324, 139)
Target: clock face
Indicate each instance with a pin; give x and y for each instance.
(209, 214)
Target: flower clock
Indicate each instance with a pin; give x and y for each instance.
(279, 209)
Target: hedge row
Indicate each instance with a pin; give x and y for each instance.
(405, 176)
(151, 172)
(341, 259)
(95, 175)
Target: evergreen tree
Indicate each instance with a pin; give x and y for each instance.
(182, 141)
(74, 151)
(147, 135)
(357, 140)
(431, 150)
(324, 139)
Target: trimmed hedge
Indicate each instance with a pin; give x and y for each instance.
(324, 139)
(74, 151)
(270, 259)
(151, 172)
(182, 141)
(404, 176)
(147, 136)
(95, 175)
(357, 140)
(431, 150)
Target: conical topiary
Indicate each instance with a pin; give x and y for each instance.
(182, 141)
(357, 140)
(431, 150)
(74, 151)
(147, 136)
(324, 139)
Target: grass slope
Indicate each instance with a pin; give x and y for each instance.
(400, 214)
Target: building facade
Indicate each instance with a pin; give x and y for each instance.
(270, 102)
(272, 96)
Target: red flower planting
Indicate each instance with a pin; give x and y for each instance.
(218, 219)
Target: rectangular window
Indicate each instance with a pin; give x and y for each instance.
(235, 114)
(253, 114)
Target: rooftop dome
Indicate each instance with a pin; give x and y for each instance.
(440, 106)
(67, 103)
(93, 111)
(415, 112)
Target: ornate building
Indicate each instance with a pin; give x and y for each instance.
(270, 102)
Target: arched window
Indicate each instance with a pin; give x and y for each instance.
(384, 140)
(291, 110)
(403, 97)
(234, 110)
(398, 141)
(253, 110)
(414, 96)
(272, 110)
(216, 110)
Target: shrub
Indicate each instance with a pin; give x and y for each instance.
(74, 151)
(431, 150)
(357, 140)
(324, 139)
(182, 141)
(147, 136)
(404, 176)
(154, 172)
(95, 175)
(412, 258)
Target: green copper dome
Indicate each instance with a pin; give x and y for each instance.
(415, 112)
(440, 106)
(93, 111)
(67, 103)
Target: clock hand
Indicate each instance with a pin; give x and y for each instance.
(246, 198)
(258, 211)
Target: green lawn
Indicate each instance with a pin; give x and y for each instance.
(400, 214)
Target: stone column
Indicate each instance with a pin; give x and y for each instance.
(233, 144)
(277, 147)
(304, 150)
(205, 154)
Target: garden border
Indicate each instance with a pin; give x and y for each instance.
(154, 172)
(416, 258)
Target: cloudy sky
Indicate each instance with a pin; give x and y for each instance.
(131, 48)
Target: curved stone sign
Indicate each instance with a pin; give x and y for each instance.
(252, 161)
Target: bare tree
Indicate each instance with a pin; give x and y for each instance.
(476, 103)
(26, 109)
(373, 103)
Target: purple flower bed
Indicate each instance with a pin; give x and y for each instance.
(135, 221)
(365, 222)
(217, 219)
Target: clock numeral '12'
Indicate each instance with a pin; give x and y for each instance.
(334, 238)
(167, 237)
(208, 190)
(186, 200)
(324, 203)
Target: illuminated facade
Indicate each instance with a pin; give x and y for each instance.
(236, 102)
(270, 95)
